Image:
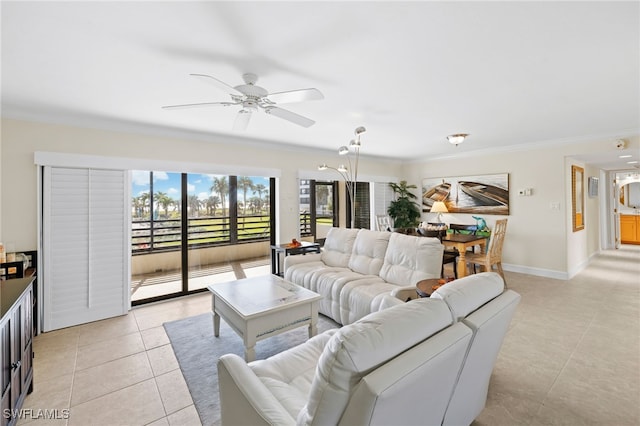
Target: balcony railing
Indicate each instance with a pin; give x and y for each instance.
(305, 224)
(166, 234)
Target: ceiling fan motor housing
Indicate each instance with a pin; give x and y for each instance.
(252, 98)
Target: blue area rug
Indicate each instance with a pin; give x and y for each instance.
(198, 351)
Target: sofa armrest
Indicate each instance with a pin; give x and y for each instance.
(405, 293)
(301, 258)
(244, 399)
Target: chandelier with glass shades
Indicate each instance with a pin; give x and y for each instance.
(350, 173)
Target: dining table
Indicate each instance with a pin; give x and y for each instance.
(462, 242)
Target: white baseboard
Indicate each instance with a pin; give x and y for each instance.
(548, 273)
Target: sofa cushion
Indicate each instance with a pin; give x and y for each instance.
(288, 375)
(356, 349)
(410, 259)
(301, 273)
(363, 296)
(338, 246)
(368, 251)
(329, 282)
(467, 294)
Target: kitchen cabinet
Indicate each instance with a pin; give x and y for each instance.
(16, 346)
(630, 229)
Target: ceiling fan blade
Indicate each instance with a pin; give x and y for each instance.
(290, 116)
(299, 95)
(201, 104)
(218, 83)
(242, 120)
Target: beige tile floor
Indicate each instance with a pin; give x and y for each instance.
(571, 357)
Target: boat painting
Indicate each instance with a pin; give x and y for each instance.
(439, 192)
(482, 194)
(487, 194)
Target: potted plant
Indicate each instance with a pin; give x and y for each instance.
(404, 210)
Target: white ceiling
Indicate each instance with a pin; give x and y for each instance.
(411, 73)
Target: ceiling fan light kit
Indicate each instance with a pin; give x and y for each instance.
(457, 138)
(252, 98)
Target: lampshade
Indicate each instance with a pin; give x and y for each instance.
(439, 207)
(456, 139)
(323, 167)
(343, 150)
(342, 168)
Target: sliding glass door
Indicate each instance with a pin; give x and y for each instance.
(318, 208)
(193, 230)
(156, 237)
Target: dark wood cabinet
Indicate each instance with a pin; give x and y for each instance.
(16, 346)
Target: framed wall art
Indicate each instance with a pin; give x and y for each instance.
(480, 194)
(593, 187)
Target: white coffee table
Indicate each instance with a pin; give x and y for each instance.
(261, 307)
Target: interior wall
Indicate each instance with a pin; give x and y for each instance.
(21, 139)
(540, 239)
(2, 182)
(536, 239)
(577, 242)
(592, 211)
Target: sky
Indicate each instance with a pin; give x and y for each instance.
(169, 183)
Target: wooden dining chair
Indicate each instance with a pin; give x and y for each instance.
(458, 228)
(448, 256)
(493, 255)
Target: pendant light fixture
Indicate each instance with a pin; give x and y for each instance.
(457, 139)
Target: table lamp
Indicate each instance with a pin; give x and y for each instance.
(439, 207)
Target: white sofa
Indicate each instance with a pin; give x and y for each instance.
(359, 267)
(425, 362)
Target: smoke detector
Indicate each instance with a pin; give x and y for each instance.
(620, 143)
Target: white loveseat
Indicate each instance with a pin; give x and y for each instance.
(424, 362)
(359, 267)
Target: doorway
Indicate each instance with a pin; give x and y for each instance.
(319, 208)
(627, 208)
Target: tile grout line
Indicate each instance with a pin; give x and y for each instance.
(564, 365)
(73, 377)
(155, 382)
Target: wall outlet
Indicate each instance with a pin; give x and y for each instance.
(526, 192)
(555, 206)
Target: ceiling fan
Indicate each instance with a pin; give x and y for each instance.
(251, 98)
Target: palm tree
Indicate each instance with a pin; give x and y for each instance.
(260, 188)
(176, 205)
(212, 204)
(144, 201)
(267, 201)
(245, 183)
(221, 186)
(163, 200)
(138, 207)
(256, 204)
(194, 204)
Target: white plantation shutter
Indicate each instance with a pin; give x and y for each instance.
(85, 246)
(383, 195)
